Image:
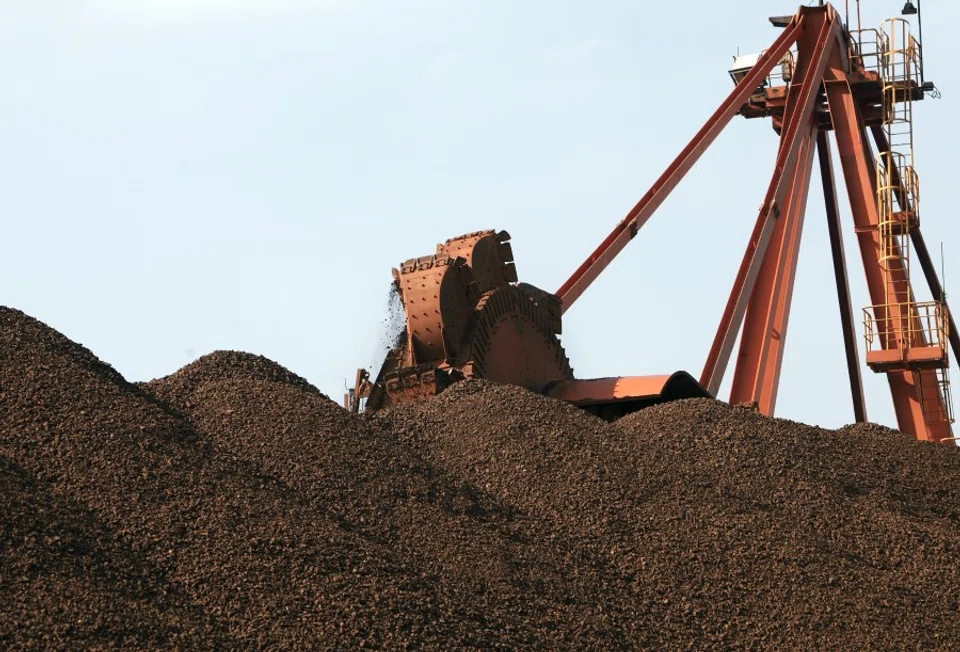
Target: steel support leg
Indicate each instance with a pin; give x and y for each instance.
(857, 167)
(757, 374)
(784, 297)
(817, 45)
(840, 273)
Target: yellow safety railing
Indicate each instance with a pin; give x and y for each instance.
(900, 73)
(905, 325)
(899, 51)
(901, 322)
(898, 189)
(898, 185)
(935, 396)
(866, 48)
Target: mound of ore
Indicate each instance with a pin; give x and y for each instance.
(233, 504)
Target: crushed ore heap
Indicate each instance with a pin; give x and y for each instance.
(233, 505)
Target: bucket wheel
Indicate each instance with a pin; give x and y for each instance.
(512, 339)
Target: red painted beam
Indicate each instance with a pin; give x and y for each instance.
(859, 175)
(812, 62)
(628, 227)
(780, 319)
(757, 375)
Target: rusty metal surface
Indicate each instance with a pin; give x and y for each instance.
(512, 341)
(614, 398)
(436, 294)
(439, 292)
(627, 388)
(489, 256)
(917, 358)
(466, 318)
(868, 92)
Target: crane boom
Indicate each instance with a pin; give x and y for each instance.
(628, 227)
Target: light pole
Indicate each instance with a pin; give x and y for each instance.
(909, 10)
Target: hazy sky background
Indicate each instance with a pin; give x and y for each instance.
(182, 176)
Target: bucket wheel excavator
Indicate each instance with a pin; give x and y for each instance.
(467, 316)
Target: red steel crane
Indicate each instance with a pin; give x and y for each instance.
(468, 317)
(857, 85)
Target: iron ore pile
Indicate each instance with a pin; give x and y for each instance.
(231, 504)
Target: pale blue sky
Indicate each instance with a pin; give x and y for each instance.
(188, 175)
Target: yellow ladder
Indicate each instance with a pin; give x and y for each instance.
(900, 322)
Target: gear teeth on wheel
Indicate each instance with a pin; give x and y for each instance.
(491, 309)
